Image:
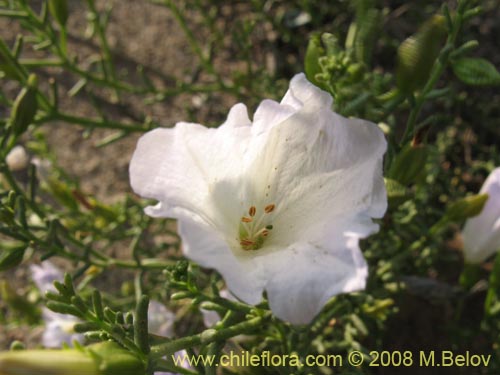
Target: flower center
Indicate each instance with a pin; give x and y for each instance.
(254, 229)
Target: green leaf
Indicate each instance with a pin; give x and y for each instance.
(476, 72)
(11, 256)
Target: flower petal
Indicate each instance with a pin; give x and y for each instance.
(180, 166)
(309, 274)
(481, 233)
(44, 276)
(245, 279)
(302, 91)
(317, 166)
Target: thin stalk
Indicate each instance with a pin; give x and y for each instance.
(206, 337)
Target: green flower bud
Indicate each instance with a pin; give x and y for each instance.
(417, 54)
(355, 72)
(312, 66)
(47, 362)
(59, 10)
(112, 359)
(106, 358)
(25, 107)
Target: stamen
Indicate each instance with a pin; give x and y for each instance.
(269, 208)
(246, 242)
(253, 230)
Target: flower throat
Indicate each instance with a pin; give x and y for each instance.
(254, 229)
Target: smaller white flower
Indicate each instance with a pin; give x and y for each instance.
(481, 233)
(17, 159)
(59, 328)
(44, 276)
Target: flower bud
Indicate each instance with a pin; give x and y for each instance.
(416, 55)
(481, 233)
(312, 66)
(106, 358)
(25, 107)
(59, 10)
(48, 362)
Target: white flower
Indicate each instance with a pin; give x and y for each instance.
(481, 233)
(278, 204)
(59, 328)
(44, 276)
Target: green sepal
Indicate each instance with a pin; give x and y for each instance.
(460, 210)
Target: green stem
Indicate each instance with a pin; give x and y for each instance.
(193, 43)
(207, 337)
(94, 123)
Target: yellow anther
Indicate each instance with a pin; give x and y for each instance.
(246, 219)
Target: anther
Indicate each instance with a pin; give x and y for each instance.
(246, 242)
(246, 219)
(269, 208)
(252, 211)
(270, 227)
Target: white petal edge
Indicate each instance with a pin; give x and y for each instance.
(310, 275)
(245, 279)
